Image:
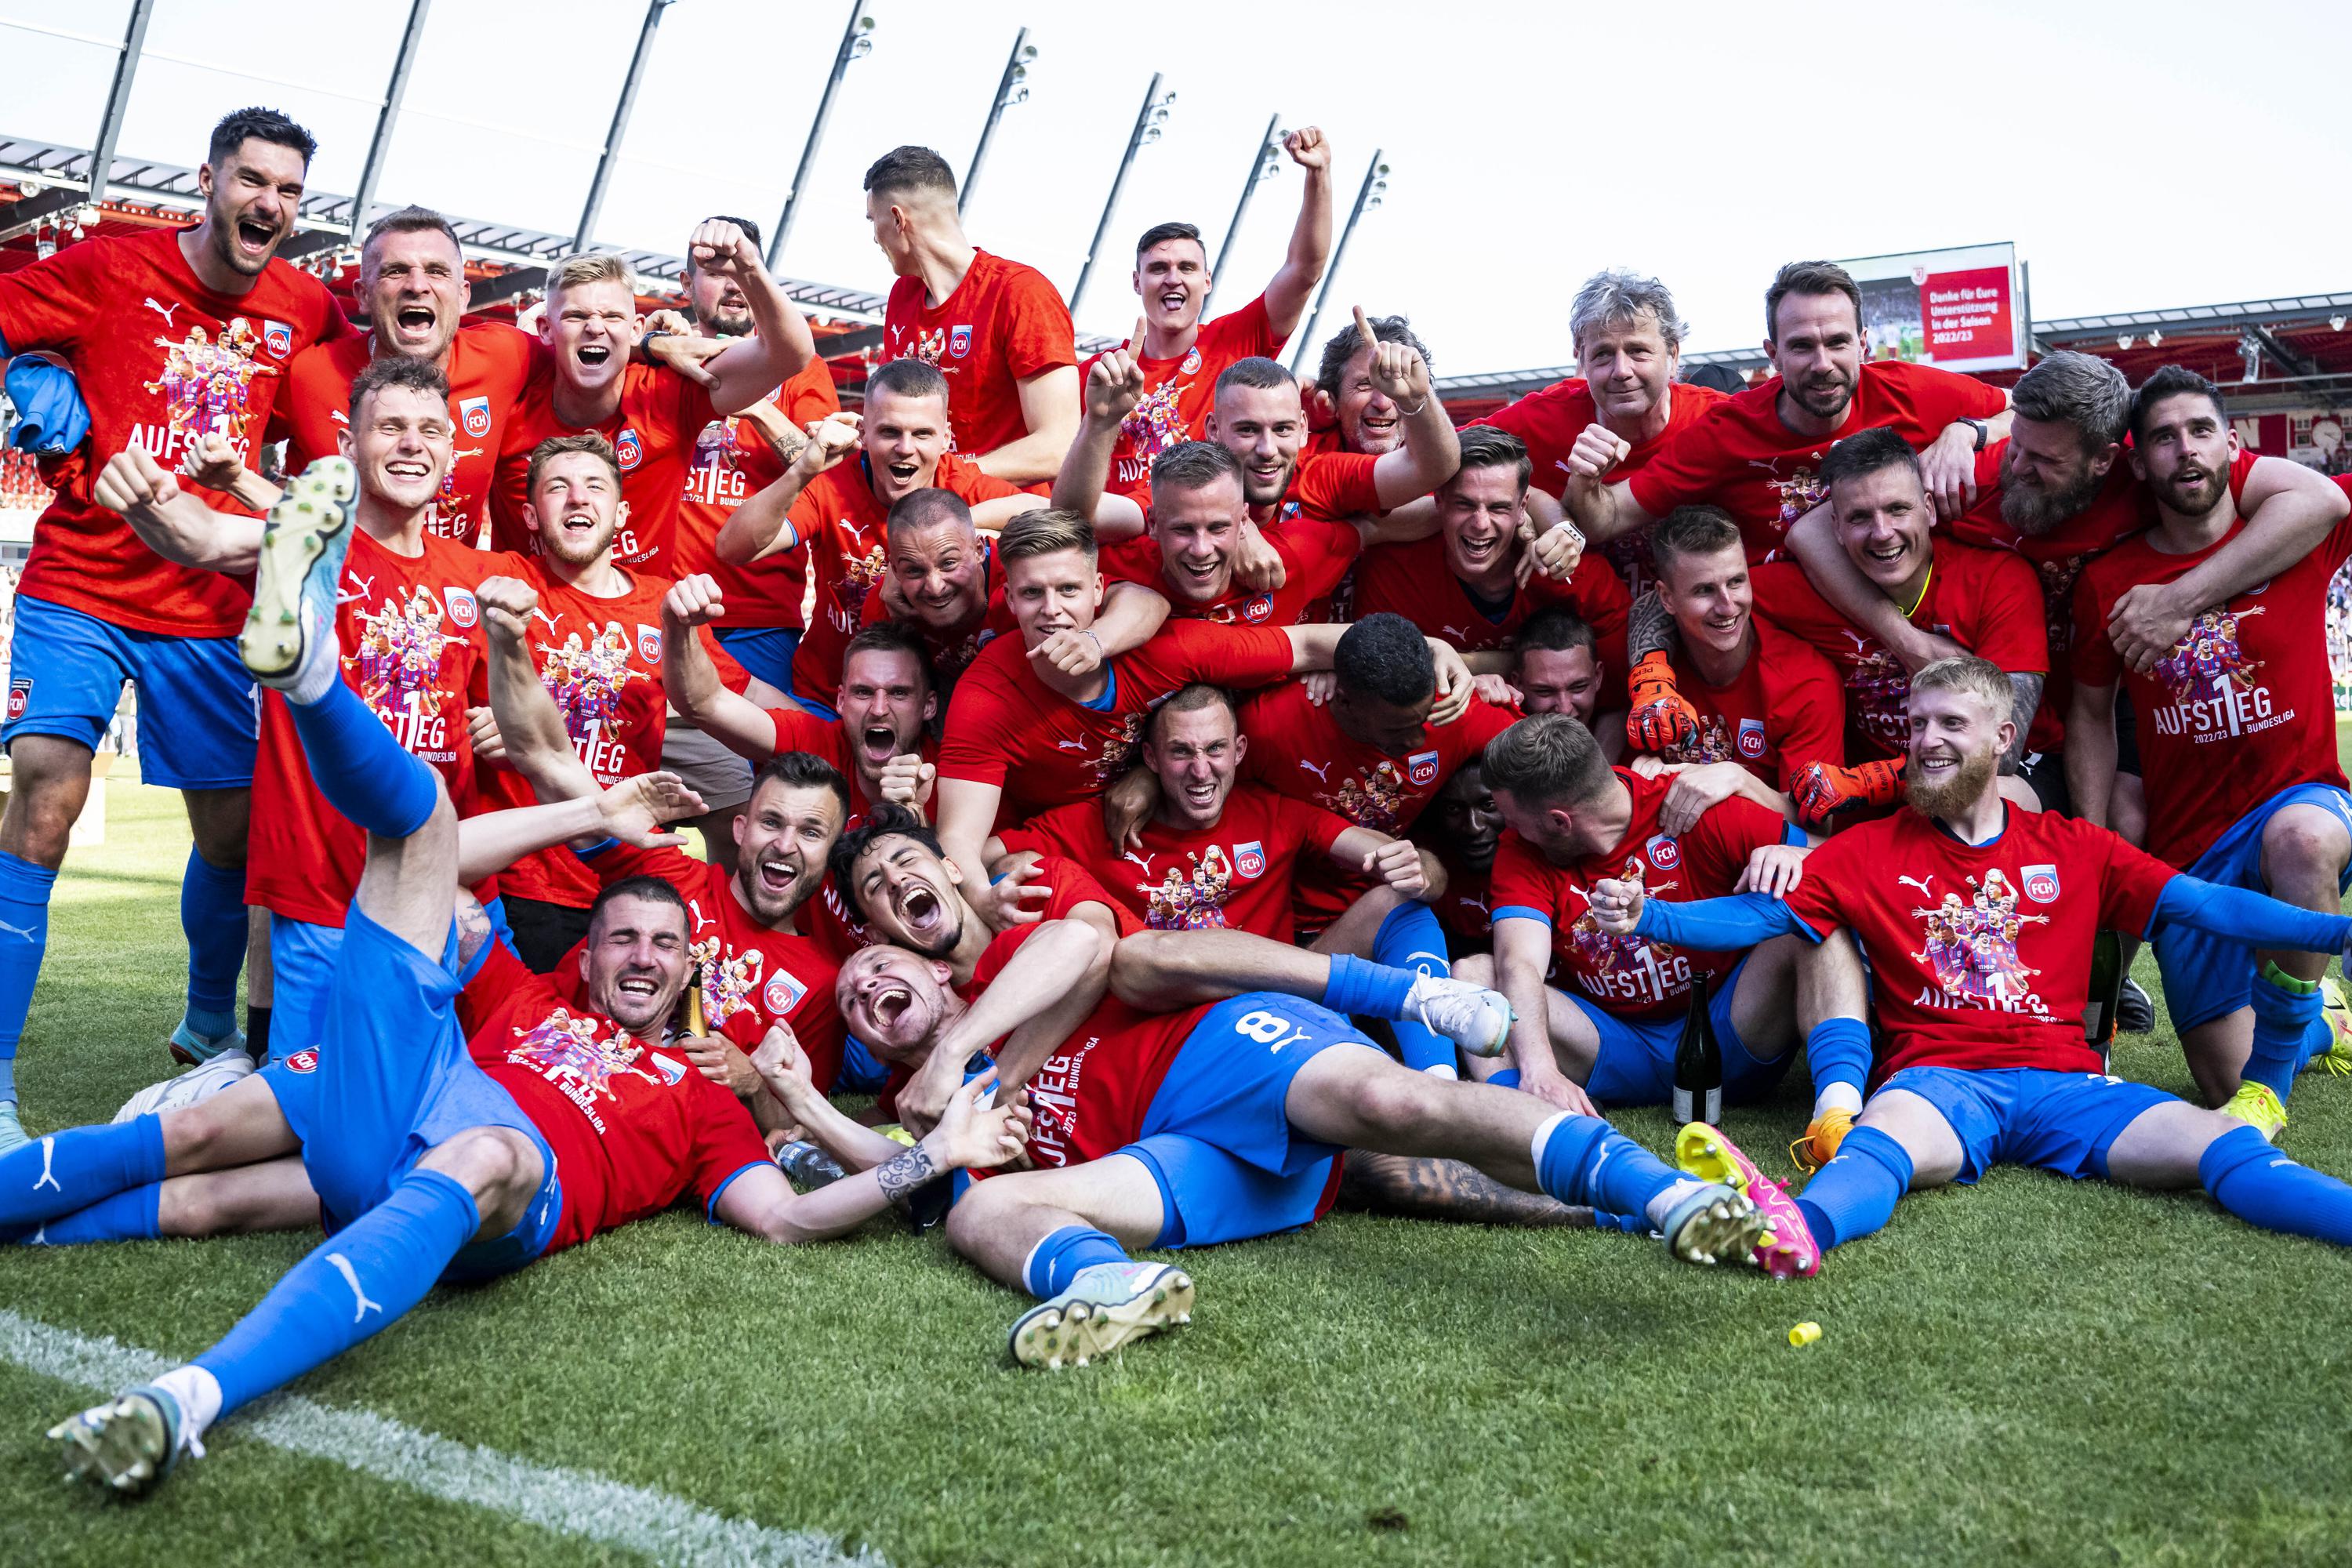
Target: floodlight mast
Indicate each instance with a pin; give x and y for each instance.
(1265, 166)
(857, 43)
(1148, 120)
(1369, 195)
(1010, 90)
(613, 138)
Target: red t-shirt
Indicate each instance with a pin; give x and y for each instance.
(1297, 749)
(1005, 323)
(2241, 707)
(1635, 977)
(836, 932)
(753, 975)
(732, 462)
(1179, 392)
(413, 651)
(1006, 727)
(601, 660)
(632, 1124)
(1331, 486)
(161, 360)
(654, 433)
(1985, 600)
(1784, 709)
(1234, 876)
(1548, 422)
(2004, 929)
(1091, 1096)
(1465, 910)
(1316, 554)
(1416, 582)
(488, 365)
(1740, 457)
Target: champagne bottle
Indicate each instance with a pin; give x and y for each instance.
(2106, 993)
(1698, 1063)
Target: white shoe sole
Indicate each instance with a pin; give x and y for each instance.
(315, 508)
(1048, 1336)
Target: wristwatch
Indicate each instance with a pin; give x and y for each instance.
(1978, 426)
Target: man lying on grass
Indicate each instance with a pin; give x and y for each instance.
(426, 1160)
(1196, 1121)
(1978, 921)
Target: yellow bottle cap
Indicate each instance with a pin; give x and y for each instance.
(1804, 1334)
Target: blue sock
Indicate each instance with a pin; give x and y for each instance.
(1360, 986)
(2262, 1186)
(1856, 1192)
(358, 1280)
(2283, 1017)
(1055, 1261)
(1631, 1224)
(1838, 1051)
(212, 913)
(1583, 1159)
(74, 1169)
(24, 937)
(363, 773)
(133, 1215)
(1412, 942)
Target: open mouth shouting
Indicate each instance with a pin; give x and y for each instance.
(256, 239)
(580, 526)
(777, 879)
(1478, 552)
(877, 744)
(414, 325)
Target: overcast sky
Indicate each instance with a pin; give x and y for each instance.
(2152, 155)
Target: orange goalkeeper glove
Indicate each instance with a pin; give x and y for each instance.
(1660, 719)
(1822, 790)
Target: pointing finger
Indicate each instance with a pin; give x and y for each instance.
(1365, 328)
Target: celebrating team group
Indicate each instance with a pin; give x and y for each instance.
(1184, 795)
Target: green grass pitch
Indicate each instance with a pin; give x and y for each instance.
(2028, 1372)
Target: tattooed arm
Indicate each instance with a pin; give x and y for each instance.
(970, 1134)
(1650, 628)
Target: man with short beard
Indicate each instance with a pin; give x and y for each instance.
(1977, 920)
(755, 963)
(592, 379)
(172, 334)
(2058, 492)
(2244, 784)
(881, 745)
(1628, 338)
(596, 641)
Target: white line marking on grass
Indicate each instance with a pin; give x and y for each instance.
(570, 1502)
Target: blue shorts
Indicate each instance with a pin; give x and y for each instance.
(302, 958)
(1635, 1063)
(2062, 1123)
(389, 1080)
(860, 1073)
(766, 652)
(199, 714)
(1217, 1138)
(2207, 977)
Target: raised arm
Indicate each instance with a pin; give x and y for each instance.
(749, 370)
(691, 681)
(173, 523)
(536, 744)
(1431, 452)
(1114, 388)
(763, 525)
(1293, 283)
